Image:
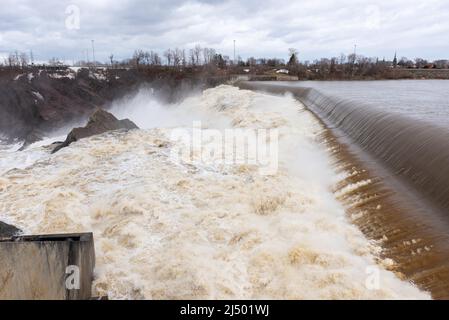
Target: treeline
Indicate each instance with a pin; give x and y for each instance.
(360, 67)
(17, 59)
(343, 67)
(196, 56)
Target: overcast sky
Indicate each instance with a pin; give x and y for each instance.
(318, 28)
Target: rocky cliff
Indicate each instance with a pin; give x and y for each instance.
(34, 101)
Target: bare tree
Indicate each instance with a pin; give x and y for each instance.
(146, 58)
(352, 58)
(177, 57)
(17, 60)
(23, 60)
(155, 60)
(421, 63)
(208, 55)
(168, 54)
(441, 64)
(192, 60)
(406, 63)
(17, 57)
(11, 60)
(197, 53)
(184, 58)
(138, 57)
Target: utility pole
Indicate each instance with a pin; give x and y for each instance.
(93, 52)
(234, 52)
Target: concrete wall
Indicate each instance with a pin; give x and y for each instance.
(35, 267)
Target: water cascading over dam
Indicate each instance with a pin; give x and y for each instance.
(414, 150)
(413, 157)
(169, 228)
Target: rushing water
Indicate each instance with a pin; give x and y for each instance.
(408, 152)
(406, 134)
(421, 99)
(169, 229)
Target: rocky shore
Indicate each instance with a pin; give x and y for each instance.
(99, 122)
(35, 101)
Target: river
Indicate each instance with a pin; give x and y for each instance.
(420, 99)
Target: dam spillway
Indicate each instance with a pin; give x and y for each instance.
(413, 150)
(409, 161)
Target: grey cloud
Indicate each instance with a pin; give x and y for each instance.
(261, 28)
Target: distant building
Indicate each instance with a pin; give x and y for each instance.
(283, 71)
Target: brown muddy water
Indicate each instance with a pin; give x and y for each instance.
(318, 227)
(404, 154)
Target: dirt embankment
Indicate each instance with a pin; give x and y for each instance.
(35, 101)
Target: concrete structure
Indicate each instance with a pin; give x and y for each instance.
(48, 267)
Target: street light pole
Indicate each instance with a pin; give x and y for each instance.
(93, 52)
(234, 51)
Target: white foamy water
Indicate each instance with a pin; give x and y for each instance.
(11, 158)
(170, 230)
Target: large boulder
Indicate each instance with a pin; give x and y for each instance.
(7, 230)
(100, 122)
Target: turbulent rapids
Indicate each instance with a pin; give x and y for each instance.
(406, 201)
(415, 150)
(186, 229)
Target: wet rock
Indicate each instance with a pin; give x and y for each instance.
(7, 230)
(32, 137)
(100, 122)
